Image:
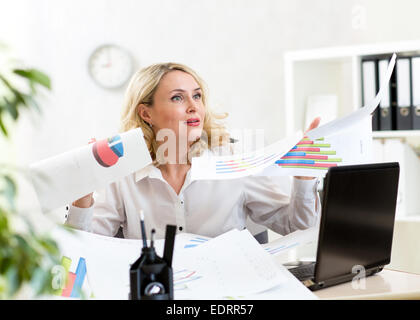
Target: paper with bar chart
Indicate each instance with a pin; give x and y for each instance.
(61, 179)
(69, 278)
(310, 154)
(210, 167)
(313, 157)
(74, 283)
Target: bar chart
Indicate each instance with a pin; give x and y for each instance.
(195, 242)
(310, 154)
(73, 281)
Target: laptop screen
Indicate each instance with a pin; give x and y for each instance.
(357, 222)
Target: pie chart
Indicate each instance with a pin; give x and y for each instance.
(108, 151)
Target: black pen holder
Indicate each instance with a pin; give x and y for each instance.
(151, 277)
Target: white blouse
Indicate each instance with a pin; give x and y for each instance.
(205, 207)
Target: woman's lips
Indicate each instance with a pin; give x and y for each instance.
(193, 122)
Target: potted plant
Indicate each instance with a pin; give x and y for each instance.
(27, 256)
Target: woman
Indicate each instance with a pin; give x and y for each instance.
(169, 103)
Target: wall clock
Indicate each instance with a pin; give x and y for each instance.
(110, 66)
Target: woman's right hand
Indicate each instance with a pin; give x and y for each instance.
(84, 202)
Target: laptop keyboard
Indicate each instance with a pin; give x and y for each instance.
(304, 272)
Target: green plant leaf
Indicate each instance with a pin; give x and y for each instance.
(11, 106)
(34, 75)
(4, 222)
(24, 257)
(3, 127)
(49, 245)
(39, 280)
(9, 191)
(20, 98)
(16, 93)
(13, 280)
(29, 99)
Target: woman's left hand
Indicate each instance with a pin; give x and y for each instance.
(314, 124)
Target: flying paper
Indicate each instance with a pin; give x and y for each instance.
(313, 157)
(64, 178)
(241, 165)
(345, 141)
(345, 122)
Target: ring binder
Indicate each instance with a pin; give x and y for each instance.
(386, 106)
(415, 89)
(370, 87)
(404, 117)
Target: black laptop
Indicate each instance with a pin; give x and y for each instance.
(357, 224)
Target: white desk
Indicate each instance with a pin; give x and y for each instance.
(387, 284)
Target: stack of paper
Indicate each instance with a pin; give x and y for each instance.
(233, 265)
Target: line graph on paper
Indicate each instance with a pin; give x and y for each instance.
(276, 249)
(244, 164)
(184, 277)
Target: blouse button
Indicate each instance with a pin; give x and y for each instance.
(180, 228)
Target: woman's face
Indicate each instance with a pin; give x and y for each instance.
(177, 106)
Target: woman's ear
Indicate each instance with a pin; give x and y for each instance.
(144, 113)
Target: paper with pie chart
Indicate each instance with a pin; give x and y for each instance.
(64, 178)
(108, 151)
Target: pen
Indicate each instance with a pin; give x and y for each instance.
(143, 231)
(152, 237)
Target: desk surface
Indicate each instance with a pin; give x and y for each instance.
(387, 284)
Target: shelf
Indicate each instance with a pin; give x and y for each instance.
(351, 51)
(396, 134)
(337, 71)
(332, 70)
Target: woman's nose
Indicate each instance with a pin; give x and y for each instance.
(192, 105)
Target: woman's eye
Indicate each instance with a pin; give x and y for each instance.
(176, 98)
(197, 96)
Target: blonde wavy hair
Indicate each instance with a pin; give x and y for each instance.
(141, 90)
